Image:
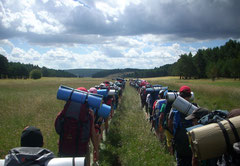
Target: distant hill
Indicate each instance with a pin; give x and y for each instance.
(115, 73)
(84, 72)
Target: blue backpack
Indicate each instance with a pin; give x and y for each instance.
(180, 140)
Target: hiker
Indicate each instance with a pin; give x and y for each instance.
(31, 151)
(31, 137)
(177, 124)
(98, 121)
(143, 95)
(156, 113)
(163, 120)
(195, 117)
(75, 126)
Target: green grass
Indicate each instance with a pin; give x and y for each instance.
(130, 141)
(219, 94)
(32, 102)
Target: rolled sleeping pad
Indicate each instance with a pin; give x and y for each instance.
(209, 142)
(165, 88)
(157, 85)
(171, 96)
(78, 96)
(103, 92)
(94, 100)
(64, 93)
(65, 161)
(183, 106)
(104, 111)
(111, 92)
(157, 88)
(149, 90)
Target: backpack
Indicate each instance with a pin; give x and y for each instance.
(232, 156)
(156, 109)
(180, 139)
(165, 115)
(26, 156)
(73, 125)
(213, 117)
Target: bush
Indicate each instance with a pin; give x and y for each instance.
(36, 74)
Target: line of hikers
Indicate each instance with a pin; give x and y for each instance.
(186, 129)
(76, 125)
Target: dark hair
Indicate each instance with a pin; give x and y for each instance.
(185, 94)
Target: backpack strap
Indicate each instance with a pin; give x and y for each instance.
(234, 130)
(226, 137)
(70, 97)
(73, 161)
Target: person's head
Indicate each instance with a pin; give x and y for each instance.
(93, 90)
(82, 89)
(161, 94)
(31, 137)
(185, 92)
(197, 114)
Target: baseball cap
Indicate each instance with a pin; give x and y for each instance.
(31, 137)
(198, 114)
(185, 89)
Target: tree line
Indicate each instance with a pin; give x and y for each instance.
(18, 70)
(105, 73)
(223, 61)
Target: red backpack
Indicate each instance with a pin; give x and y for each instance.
(73, 124)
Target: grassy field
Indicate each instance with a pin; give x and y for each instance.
(32, 102)
(219, 94)
(129, 142)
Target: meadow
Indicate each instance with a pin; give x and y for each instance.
(219, 94)
(129, 141)
(32, 102)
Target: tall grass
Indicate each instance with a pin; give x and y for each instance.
(130, 141)
(218, 94)
(32, 102)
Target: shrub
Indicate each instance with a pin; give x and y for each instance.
(36, 74)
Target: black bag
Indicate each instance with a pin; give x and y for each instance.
(26, 156)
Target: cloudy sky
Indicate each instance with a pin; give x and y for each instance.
(69, 34)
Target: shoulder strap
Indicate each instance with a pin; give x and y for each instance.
(234, 130)
(226, 137)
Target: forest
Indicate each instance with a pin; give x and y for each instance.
(18, 70)
(210, 63)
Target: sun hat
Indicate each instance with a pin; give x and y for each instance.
(198, 114)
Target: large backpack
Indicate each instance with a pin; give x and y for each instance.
(156, 111)
(73, 125)
(181, 143)
(28, 156)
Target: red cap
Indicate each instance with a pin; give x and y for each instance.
(82, 89)
(185, 89)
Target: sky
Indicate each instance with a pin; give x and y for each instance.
(110, 34)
